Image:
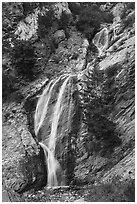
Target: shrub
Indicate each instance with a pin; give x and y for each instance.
(129, 190)
(74, 7)
(45, 23)
(7, 85)
(23, 59)
(8, 77)
(28, 7)
(130, 5)
(64, 21)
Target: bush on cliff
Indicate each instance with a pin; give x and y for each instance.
(23, 59)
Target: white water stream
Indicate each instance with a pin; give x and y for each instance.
(42, 106)
(53, 166)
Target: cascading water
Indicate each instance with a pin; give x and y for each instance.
(53, 165)
(56, 116)
(41, 109)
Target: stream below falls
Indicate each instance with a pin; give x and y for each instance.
(59, 194)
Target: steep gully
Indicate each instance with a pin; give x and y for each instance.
(48, 142)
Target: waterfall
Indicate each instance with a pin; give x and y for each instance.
(52, 165)
(55, 177)
(101, 40)
(56, 116)
(41, 109)
(42, 106)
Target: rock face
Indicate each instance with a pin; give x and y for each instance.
(124, 169)
(120, 54)
(22, 164)
(70, 56)
(22, 157)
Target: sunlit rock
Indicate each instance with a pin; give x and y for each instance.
(61, 7)
(101, 40)
(28, 28)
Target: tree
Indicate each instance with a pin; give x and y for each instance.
(90, 19)
(20, 57)
(97, 103)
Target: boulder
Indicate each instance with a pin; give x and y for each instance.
(59, 36)
(61, 7)
(79, 200)
(28, 28)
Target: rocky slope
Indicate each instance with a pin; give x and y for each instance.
(21, 156)
(122, 57)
